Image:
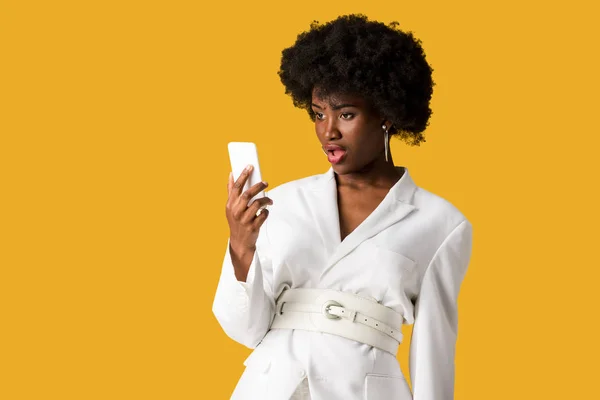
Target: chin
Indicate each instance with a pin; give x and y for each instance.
(342, 169)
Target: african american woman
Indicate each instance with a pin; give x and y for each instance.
(320, 281)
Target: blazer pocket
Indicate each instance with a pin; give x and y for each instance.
(267, 378)
(254, 382)
(395, 258)
(257, 362)
(399, 270)
(386, 387)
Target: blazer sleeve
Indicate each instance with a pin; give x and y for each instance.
(432, 347)
(245, 309)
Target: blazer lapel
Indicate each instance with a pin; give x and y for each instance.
(322, 202)
(322, 197)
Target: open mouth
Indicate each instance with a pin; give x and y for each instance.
(335, 156)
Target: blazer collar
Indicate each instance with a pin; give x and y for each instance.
(322, 195)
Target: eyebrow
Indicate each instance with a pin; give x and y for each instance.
(336, 106)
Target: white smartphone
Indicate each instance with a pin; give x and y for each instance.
(242, 154)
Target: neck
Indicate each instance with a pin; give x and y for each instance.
(379, 174)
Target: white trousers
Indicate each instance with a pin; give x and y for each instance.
(302, 392)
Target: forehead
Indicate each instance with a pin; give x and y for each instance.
(335, 98)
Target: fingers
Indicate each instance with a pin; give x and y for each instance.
(240, 201)
(258, 221)
(250, 213)
(237, 204)
(241, 181)
(230, 183)
(252, 191)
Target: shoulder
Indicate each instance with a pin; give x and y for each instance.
(437, 208)
(292, 187)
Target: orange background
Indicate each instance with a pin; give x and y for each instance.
(114, 121)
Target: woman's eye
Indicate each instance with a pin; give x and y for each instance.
(347, 115)
(319, 115)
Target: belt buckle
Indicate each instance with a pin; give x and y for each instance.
(327, 305)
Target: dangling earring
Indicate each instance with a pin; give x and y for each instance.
(386, 140)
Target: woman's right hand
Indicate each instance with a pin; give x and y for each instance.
(244, 225)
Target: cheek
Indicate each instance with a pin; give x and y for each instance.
(318, 126)
(369, 144)
(319, 132)
(366, 137)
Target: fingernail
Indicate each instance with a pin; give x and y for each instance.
(265, 183)
(249, 167)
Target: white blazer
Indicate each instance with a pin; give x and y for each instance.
(410, 254)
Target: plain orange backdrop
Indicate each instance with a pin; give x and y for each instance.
(114, 121)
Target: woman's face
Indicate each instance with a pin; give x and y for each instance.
(350, 130)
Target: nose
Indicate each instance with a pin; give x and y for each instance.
(331, 129)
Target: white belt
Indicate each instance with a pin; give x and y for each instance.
(339, 313)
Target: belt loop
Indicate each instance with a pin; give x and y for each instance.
(352, 315)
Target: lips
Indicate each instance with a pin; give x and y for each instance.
(335, 154)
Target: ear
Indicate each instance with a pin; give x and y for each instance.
(387, 124)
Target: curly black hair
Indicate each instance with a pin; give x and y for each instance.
(353, 55)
